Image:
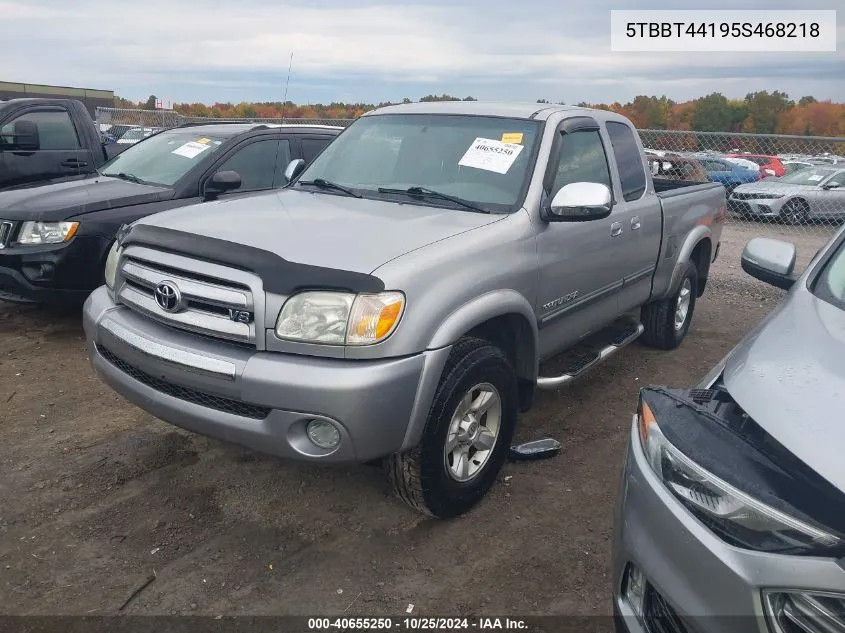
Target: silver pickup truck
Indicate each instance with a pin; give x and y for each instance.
(395, 301)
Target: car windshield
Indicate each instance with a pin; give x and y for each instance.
(133, 135)
(479, 159)
(164, 158)
(807, 176)
(830, 286)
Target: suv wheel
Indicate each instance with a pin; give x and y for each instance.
(467, 434)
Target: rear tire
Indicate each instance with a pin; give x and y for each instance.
(667, 321)
(475, 406)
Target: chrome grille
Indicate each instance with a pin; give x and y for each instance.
(5, 232)
(806, 611)
(208, 306)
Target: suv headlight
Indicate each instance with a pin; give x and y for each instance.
(339, 318)
(111, 264)
(46, 232)
(734, 515)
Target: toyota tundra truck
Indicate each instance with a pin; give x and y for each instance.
(395, 301)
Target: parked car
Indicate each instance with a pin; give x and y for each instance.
(770, 165)
(675, 167)
(396, 300)
(814, 193)
(47, 139)
(54, 239)
(730, 516)
(745, 163)
(728, 174)
(135, 134)
(791, 166)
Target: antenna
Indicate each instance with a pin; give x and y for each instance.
(287, 84)
(284, 106)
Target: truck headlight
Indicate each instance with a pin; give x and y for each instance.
(734, 515)
(113, 258)
(46, 232)
(339, 318)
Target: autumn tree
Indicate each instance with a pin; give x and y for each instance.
(714, 113)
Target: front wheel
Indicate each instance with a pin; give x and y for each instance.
(667, 321)
(466, 437)
(795, 212)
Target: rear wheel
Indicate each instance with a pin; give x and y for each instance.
(795, 212)
(467, 435)
(667, 321)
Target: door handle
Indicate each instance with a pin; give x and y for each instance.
(73, 162)
(615, 229)
(635, 223)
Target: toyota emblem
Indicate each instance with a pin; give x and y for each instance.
(168, 297)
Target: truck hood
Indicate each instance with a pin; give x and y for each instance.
(789, 376)
(62, 200)
(323, 229)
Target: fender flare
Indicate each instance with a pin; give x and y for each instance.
(488, 306)
(693, 239)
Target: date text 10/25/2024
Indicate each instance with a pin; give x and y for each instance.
(416, 624)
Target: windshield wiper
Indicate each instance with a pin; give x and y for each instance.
(322, 183)
(129, 177)
(424, 192)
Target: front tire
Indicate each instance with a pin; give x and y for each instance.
(667, 321)
(466, 437)
(795, 213)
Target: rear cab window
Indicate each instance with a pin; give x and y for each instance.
(629, 161)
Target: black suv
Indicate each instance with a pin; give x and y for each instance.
(54, 238)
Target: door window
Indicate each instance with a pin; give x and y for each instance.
(55, 129)
(582, 159)
(257, 163)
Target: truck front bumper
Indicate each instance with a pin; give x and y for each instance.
(260, 400)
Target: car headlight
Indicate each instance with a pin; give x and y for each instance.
(735, 516)
(339, 318)
(113, 258)
(46, 232)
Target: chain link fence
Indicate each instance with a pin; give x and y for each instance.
(793, 185)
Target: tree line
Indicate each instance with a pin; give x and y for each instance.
(759, 112)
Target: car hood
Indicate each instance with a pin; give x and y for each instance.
(771, 186)
(789, 376)
(322, 229)
(62, 200)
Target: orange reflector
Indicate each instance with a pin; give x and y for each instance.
(386, 318)
(646, 419)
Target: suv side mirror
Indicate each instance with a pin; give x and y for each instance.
(293, 169)
(772, 261)
(581, 201)
(221, 182)
(25, 137)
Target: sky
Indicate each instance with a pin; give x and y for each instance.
(371, 51)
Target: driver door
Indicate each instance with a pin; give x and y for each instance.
(580, 276)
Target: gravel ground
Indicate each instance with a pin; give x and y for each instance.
(96, 495)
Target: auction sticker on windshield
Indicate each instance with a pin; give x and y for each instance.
(191, 149)
(815, 178)
(512, 137)
(490, 155)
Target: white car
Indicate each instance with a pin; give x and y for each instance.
(135, 134)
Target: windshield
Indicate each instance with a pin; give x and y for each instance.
(133, 135)
(807, 176)
(483, 160)
(164, 158)
(830, 286)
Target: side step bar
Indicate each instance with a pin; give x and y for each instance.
(592, 351)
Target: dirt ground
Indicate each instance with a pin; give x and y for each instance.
(96, 495)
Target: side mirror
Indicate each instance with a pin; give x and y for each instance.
(293, 169)
(772, 261)
(25, 136)
(221, 182)
(831, 185)
(581, 201)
